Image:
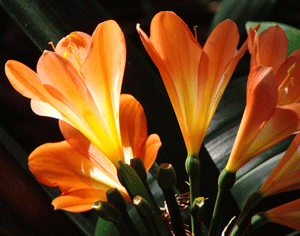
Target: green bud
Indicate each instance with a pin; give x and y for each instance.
(166, 176)
(138, 165)
(198, 208)
(116, 198)
(108, 211)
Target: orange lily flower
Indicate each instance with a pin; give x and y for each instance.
(285, 176)
(287, 215)
(80, 83)
(272, 110)
(195, 77)
(81, 171)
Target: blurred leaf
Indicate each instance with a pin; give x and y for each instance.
(292, 33)
(45, 21)
(241, 11)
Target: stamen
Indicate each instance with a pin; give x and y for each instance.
(51, 43)
(290, 70)
(195, 31)
(288, 79)
(65, 54)
(76, 58)
(292, 81)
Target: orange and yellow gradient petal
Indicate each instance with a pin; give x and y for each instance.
(195, 77)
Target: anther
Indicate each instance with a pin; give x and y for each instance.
(51, 43)
(290, 70)
(195, 31)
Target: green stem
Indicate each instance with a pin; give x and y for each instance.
(257, 221)
(225, 183)
(174, 211)
(245, 216)
(193, 169)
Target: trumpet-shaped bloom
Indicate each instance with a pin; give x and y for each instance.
(287, 215)
(195, 77)
(272, 110)
(81, 171)
(80, 83)
(285, 176)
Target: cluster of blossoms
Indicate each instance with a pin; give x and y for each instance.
(80, 84)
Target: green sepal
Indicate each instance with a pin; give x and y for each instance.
(108, 211)
(134, 184)
(226, 180)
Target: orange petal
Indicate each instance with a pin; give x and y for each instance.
(288, 79)
(260, 105)
(104, 68)
(167, 79)
(219, 49)
(64, 83)
(178, 49)
(270, 47)
(45, 109)
(58, 164)
(84, 146)
(74, 47)
(176, 53)
(79, 200)
(287, 214)
(152, 146)
(287, 165)
(25, 80)
(133, 125)
(284, 122)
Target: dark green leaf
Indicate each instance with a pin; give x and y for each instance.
(241, 11)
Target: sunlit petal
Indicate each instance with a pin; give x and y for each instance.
(79, 200)
(195, 78)
(59, 164)
(25, 80)
(72, 92)
(86, 148)
(152, 146)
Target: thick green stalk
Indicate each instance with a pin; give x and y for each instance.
(225, 183)
(167, 180)
(193, 168)
(115, 197)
